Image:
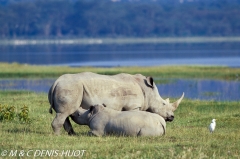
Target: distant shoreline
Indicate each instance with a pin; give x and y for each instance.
(100, 41)
(15, 70)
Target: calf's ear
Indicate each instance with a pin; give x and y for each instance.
(149, 81)
(91, 109)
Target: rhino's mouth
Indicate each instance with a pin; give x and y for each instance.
(169, 118)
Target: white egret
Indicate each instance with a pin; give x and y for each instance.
(212, 126)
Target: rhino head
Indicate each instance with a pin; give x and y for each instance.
(80, 116)
(156, 104)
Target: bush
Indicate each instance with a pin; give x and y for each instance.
(8, 113)
(23, 115)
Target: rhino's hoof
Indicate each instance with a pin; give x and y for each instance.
(71, 133)
(90, 133)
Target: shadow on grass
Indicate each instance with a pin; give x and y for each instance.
(24, 130)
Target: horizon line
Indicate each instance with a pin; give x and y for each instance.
(131, 40)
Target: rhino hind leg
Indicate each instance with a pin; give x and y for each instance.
(68, 127)
(151, 132)
(66, 102)
(58, 122)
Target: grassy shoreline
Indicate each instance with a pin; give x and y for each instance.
(187, 136)
(15, 70)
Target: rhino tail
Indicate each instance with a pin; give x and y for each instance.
(50, 97)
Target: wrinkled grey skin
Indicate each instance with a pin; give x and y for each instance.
(105, 121)
(119, 92)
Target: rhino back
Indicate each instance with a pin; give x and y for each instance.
(123, 125)
(134, 123)
(117, 92)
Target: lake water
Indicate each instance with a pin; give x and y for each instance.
(194, 89)
(109, 55)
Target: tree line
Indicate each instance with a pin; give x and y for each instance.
(105, 18)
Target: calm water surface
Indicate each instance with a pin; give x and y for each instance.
(194, 89)
(227, 54)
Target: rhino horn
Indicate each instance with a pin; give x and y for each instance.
(175, 104)
(167, 100)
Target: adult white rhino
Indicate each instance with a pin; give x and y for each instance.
(119, 92)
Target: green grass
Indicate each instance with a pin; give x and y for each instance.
(187, 136)
(15, 70)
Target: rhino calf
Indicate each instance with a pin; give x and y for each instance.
(105, 121)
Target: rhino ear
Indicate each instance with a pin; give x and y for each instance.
(91, 109)
(104, 105)
(150, 81)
